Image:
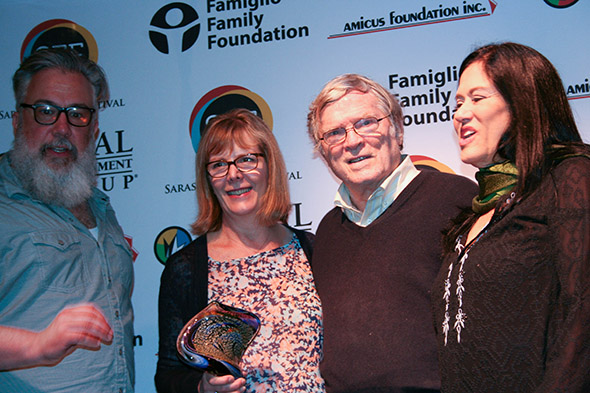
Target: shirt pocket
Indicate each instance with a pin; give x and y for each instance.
(61, 261)
(120, 257)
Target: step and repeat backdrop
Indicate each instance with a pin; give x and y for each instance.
(174, 65)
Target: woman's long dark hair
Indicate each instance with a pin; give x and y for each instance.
(542, 125)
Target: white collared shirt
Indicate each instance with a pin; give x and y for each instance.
(381, 198)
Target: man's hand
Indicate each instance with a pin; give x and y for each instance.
(82, 326)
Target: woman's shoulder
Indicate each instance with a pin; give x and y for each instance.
(301, 233)
(572, 169)
(306, 240)
(569, 182)
(568, 155)
(188, 254)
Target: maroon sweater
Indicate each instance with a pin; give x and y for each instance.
(374, 284)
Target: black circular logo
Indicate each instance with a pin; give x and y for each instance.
(65, 37)
(162, 38)
(226, 103)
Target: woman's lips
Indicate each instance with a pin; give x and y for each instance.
(239, 191)
(466, 135)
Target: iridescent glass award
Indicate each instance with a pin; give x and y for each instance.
(215, 339)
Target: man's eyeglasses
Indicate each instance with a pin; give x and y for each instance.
(46, 114)
(363, 127)
(245, 163)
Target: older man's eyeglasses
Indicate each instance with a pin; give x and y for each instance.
(46, 114)
(367, 126)
(246, 163)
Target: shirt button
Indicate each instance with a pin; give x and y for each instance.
(117, 313)
(121, 351)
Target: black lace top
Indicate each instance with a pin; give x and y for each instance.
(512, 310)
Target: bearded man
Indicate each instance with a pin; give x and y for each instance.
(66, 273)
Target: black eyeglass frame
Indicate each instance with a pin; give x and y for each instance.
(60, 110)
(229, 163)
(348, 129)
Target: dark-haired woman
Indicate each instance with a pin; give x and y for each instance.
(512, 300)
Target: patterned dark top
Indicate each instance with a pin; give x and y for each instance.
(517, 300)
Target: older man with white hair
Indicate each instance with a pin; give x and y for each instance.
(378, 251)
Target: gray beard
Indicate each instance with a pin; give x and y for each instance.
(68, 186)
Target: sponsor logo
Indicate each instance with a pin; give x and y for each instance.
(169, 241)
(174, 26)
(560, 3)
(115, 161)
(179, 188)
(228, 23)
(224, 17)
(299, 222)
(134, 252)
(221, 100)
(578, 91)
(425, 15)
(60, 33)
(429, 163)
(113, 103)
(425, 96)
(7, 114)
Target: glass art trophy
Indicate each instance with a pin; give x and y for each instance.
(215, 339)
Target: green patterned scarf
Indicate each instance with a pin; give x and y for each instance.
(494, 181)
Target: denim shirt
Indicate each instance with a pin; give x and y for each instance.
(49, 261)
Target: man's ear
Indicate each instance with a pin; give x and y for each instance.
(399, 137)
(400, 140)
(96, 131)
(15, 120)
